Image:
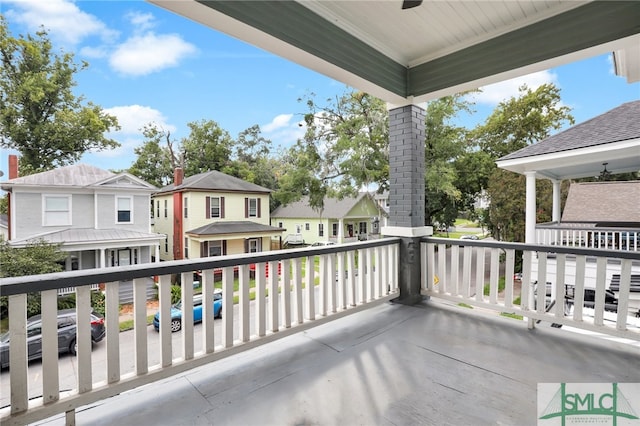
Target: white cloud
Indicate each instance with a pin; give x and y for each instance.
(132, 118)
(143, 21)
(283, 131)
(142, 55)
(493, 94)
(63, 20)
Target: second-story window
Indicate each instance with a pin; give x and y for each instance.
(186, 207)
(166, 207)
(158, 208)
(214, 208)
(124, 206)
(57, 210)
(251, 207)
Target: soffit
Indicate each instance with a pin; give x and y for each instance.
(437, 48)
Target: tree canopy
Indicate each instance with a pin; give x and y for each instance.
(40, 117)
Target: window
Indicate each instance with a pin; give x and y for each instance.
(215, 248)
(215, 207)
(363, 228)
(166, 245)
(186, 247)
(280, 225)
(334, 229)
(253, 245)
(307, 226)
(158, 208)
(166, 208)
(252, 207)
(321, 229)
(186, 207)
(123, 207)
(57, 210)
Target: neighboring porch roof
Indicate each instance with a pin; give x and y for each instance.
(235, 227)
(609, 202)
(89, 238)
(429, 51)
(580, 151)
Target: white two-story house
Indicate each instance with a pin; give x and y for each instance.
(101, 219)
(212, 214)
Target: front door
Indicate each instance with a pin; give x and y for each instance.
(124, 257)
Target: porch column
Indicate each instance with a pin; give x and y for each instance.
(406, 195)
(555, 215)
(102, 261)
(157, 257)
(530, 208)
(341, 230)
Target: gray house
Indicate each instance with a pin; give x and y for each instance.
(100, 218)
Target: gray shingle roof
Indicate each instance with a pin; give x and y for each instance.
(603, 202)
(333, 208)
(234, 227)
(617, 125)
(75, 175)
(216, 181)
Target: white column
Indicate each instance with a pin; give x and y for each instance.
(102, 261)
(530, 208)
(555, 215)
(341, 231)
(157, 253)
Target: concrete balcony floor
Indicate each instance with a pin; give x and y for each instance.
(429, 364)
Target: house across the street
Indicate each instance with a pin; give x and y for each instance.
(340, 220)
(212, 214)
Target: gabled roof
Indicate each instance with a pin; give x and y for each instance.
(612, 202)
(234, 227)
(214, 181)
(334, 208)
(79, 176)
(619, 124)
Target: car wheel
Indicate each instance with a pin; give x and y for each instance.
(176, 325)
(73, 347)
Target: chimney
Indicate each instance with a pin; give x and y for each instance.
(178, 175)
(13, 166)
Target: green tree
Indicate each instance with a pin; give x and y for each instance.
(155, 159)
(513, 125)
(38, 257)
(444, 143)
(208, 147)
(40, 117)
(345, 148)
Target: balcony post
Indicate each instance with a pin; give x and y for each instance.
(530, 208)
(406, 195)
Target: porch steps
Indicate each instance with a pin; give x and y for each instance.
(126, 291)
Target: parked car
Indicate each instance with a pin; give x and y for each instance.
(323, 244)
(176, 311)
(66, 335)
(469, 237)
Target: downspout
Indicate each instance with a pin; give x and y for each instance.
(178, 253)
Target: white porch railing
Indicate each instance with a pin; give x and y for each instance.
(463, 271)
(587, 236)
(315, 285)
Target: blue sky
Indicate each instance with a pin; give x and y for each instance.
(150, 65)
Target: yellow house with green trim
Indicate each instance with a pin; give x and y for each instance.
(339, 221)
(212, 214)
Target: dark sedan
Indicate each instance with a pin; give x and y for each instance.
(66, 335)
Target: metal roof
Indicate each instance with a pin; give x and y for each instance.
(435, 49)
(214, 181)
(91, 237)
(235, 227)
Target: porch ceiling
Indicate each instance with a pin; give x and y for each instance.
(432, 50)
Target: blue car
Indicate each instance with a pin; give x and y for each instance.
(176, 311)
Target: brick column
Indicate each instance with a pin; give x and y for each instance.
(406, 195)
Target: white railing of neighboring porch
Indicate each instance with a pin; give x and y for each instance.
(457, 272)
(581, 235)
(349, 278)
